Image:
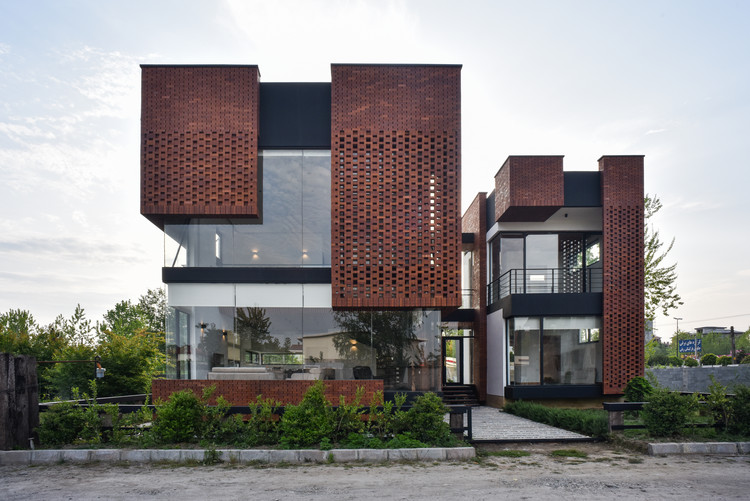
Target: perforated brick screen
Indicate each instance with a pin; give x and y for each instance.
(395, 179)
(199, 136)
(623, 322)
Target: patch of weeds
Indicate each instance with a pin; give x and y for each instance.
(329, 458)
(635, 460)
(510, 453)
(211, 456)
(568, 453)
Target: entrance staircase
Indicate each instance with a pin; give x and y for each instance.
(460, 394)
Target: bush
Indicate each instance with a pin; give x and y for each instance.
(61, 424)
(675, 361)
(426, 421)
(667, 412)
(591, 422)
(708, 359)
(309, 422)
(740, 423)
(263, 426)
(658, 359)
(740, 356)
(719, 404)
(386, 419)
(691, 362)
(180, 419)
(746, 360)
(638, 389)
(724, 360)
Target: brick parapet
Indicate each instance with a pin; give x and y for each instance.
(529, 188)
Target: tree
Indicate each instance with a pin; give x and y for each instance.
(660, 290)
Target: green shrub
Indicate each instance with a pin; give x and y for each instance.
(746, 360)
(708, 359)
(405, 440)
(348, 417)
(667, 412)
(675, 361)
(387, 419)
(263, 426)
(591, 422)
(309, 422)
(724, 360)
(426, 421)
(719, 404)
(638, 389)
(61, 424)
(691, 362)
(740, 422)
(658, 359)
(180, 419)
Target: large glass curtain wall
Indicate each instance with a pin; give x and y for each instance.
(294, 230)
(554, 350)
(400, 347)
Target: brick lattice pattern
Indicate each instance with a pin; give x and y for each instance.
(245, 392)
(529, 188)
(199, 136)
(395, 186)
(623, 322)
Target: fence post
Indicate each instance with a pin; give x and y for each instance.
(19, 400)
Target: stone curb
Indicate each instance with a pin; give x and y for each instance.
(724, 448)
(271, 456)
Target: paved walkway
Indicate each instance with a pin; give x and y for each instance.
(490, 424)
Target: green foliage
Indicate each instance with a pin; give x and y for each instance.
(709, 359)
(666, 413)
(61, 378)
(348, 417)
(746, 360)
(263, 426)
(656, 353)
(638, 389)
(724, 360)
(61, 424)
(426, 421)
(389, 421)
(740, 423)
(675, 361)
(660, 290)
(568, 453)
(180, 419)
(309, 422)
(719, 404)
(591, 422)
(131, 362)
(691, 362)
(658, 359)
(405, 440)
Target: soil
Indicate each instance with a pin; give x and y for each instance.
(605, 472)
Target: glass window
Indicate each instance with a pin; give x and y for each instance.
(524, 355)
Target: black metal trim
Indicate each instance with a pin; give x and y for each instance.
(255, 275)
(552, 391)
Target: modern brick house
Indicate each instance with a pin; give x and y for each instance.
(313, 231)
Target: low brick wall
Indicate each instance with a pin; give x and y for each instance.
(245, 392)
(698, 379)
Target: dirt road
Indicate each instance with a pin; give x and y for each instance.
(605, 473)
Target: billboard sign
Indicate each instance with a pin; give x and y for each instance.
(688, 345)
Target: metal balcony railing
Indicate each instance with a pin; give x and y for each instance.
(545, 281)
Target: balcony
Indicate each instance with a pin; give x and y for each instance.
(545, 281)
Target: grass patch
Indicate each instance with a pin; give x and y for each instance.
(591, 422)
(568, 453)
(507, 453)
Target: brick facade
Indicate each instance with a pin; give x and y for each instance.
(622, 255)
(199, 141)
(245, 392)
(395, 184)
(529, 188)
(474, 221)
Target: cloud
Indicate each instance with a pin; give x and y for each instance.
(74, 249)
(655, 131)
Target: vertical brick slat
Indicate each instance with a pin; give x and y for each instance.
(199, 141)
(623, 322)
(395, 186)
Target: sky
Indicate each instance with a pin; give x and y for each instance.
(666, 79)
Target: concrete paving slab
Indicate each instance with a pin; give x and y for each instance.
(248, 456)
(491, 424)
(45, 456)
(15, 457)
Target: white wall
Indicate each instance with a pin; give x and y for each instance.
(496, 353)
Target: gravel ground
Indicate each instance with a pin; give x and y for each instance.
(605, 473)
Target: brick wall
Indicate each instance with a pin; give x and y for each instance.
(474, 221)
(395, 186)
(529, 188)
(622, 256)
(199, 137)
(244, 392)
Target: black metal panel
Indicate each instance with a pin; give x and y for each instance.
(467, 238)
(490, 209)
(535, 305)
(246, 275)
(550, 391)
(295, 115)
(459, 315)
(583, 189)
